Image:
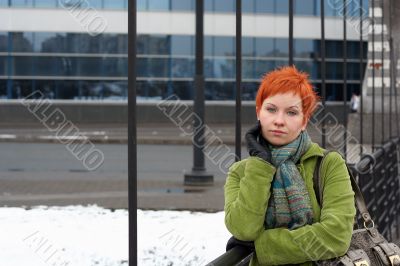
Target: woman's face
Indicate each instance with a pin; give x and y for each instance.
(282, 119)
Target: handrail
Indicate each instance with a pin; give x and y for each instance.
(237, 256)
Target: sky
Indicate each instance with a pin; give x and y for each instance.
(91, 235)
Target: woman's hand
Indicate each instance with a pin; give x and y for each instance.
(233, 242)
(253, 146)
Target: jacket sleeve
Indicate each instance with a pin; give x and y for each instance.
(247, 190)
(328, 238)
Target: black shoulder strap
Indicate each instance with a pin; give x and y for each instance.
(360, 202)
(316, 179)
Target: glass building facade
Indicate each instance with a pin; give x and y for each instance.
(66, 65)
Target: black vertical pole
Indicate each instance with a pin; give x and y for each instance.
(198, 175)
(9, 65)
(132, 149)
(391, 68)
(373, 76)
(238, 106)
(323, 71)
(345, 114)
(361, 75)
(291, 32)
(382, 75)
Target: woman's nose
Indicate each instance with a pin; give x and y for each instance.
(279, 120)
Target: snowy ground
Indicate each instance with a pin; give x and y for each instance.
(86, 236)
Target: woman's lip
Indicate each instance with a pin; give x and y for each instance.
(277, 132)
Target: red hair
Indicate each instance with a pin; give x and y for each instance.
(288, 79)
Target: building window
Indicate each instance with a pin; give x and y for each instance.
(185, 5)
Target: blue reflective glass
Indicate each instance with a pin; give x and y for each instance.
(3, 41)
(263, 66)
(264, 6)
(40, 40)
(334, 49)
(182, 68)
(113, 67)
(224, 6)
(182, 45)
(97, 4)
(208, 45)
(158, 67)
(282, 6)
(208, 68)
(224, 46)
(158, 44)
(22, 3)
(153, 44)
(281, 63)
(22, 66)
(224, 68)
(333, 7)
(45, 3)
(305, 7)
(114, 43)
(248, 69)
(264, 47)
(281, 47)
(185, 5)
(209, 5)
(248, 46)
(22, 42)
(158, 4)
(248, 6)
(141, 5)
(305, 66)
(114, 4)
(3, 65)
(303, 48)
(141, 44)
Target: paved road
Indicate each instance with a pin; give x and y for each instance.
(154, 161)
(48, 174)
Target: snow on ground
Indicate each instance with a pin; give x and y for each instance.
(86, 236)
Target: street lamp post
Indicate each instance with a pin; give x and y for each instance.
(199, 174)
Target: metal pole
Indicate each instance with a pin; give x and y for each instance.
(323, 71)
(373, 76)
(238, 106)
(391, 62)
(199, 175)
(361, 75)
(132, 148)
(290, 32)
(382, 76)
(9, 65)
(345, 79)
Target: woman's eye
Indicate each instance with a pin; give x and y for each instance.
(271, 109)
(292, 113)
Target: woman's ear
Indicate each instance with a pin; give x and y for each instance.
(304, 124)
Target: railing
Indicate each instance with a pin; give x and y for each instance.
(378, 178)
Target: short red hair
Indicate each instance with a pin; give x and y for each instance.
(288, 79)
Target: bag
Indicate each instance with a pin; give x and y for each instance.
(367, 247)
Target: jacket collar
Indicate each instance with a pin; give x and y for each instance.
(314, 150)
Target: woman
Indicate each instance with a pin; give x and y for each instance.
(270, 203)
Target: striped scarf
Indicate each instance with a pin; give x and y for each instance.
(289, 205)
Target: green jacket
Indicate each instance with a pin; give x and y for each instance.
(247, 191)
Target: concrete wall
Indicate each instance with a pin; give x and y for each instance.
(14, 112)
